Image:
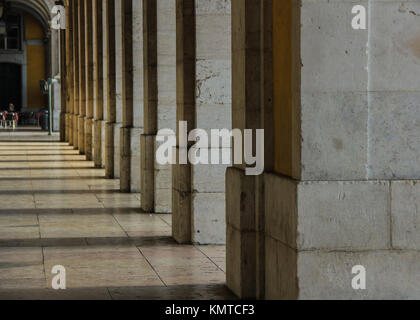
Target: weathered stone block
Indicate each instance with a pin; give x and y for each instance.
(334, 56)
(389, 275)
(240, 262)
(394, 52)
(117, 149)
(405, 205)
(209, 218)
(334, 136)
(394, 130)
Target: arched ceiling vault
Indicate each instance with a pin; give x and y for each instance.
(41, 9)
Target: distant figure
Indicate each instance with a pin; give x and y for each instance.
(10, 118)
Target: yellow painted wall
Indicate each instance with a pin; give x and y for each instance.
(283, 105)
(36, 68)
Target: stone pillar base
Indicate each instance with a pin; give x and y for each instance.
(75, 131)
(89, 139)
(181, 203)
(66, 127)
(81, 134)
(125, 159)
(148, 172)
(117, 150)
(130, 159)
(317, 231)
(63, 126)
(109, 150)
(99, 143)
(163, 182)
(241, 233)
(135, 160)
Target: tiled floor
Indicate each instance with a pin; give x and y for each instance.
(57, 209)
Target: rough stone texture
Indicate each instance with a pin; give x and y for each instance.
(334, 226)
(109, 150)
(241, 233)
(209, 222)
(405, 204)
(147, 154)
(280, 273)
(81, 133)
(166, 114)
(125, 157)
(213, 99)
(389, 275)
(89, 129)
(342, 215)
(394, 131)
(118, 88)
(334, 107)
(99, 144)
(135, 158)
(117, 149)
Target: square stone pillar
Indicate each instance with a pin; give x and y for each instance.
(185, 85)
(69, 94)
(109, 84)
(82, 77)
(126, 150)
(165, 116)
(204, 101)
(76, 80)
(242, 190)
(119, 53)
(89, 69)
(150, 103)
(213, 103)
(342, 191)
(98, 83)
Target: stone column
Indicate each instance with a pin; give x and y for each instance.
(166, 100)
(213, 103)
(118, 87)
(126, 16)
(76, 102)
(340, 186)
(69, 94)
(138, 97)
(204, 101)
(185, 80)
(109, 85)
(82, 77)
(241, 190)
(63, 84)
(150, 105)
(89, 69)
(98, 82)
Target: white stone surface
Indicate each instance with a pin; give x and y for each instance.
(405, 214)
(209, 223)
(343, 215)
(166, 75)
(389, 275)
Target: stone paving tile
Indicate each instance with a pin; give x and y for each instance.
(186, 292)
(77, 225)
(21, 268)
(59, 210)
(102, 266)
(143, 225)
(17, 201)
(50, 294)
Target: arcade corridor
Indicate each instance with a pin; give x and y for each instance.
(57, 209)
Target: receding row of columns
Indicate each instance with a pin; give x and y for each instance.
(134, 68)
